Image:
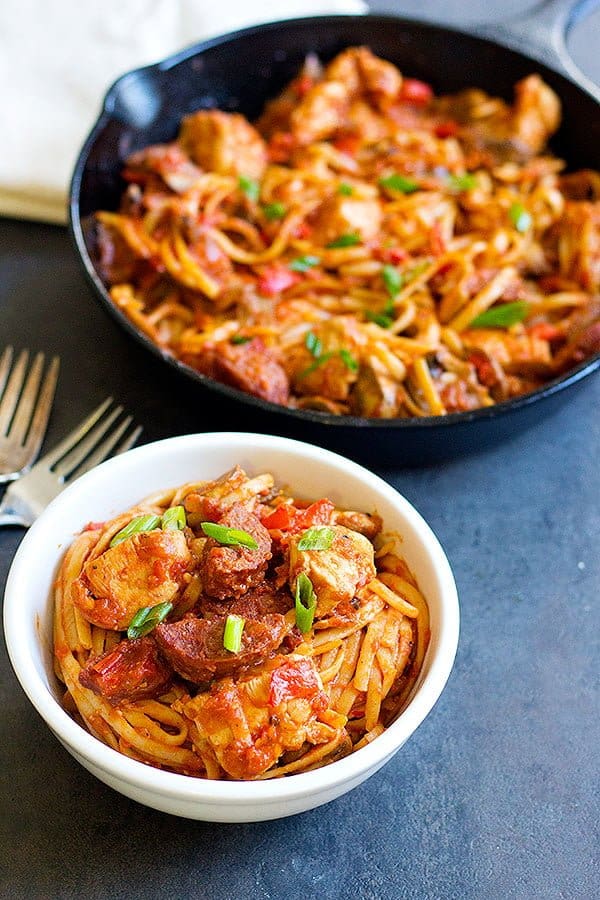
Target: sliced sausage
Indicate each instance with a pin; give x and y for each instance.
(133, 670)
(249, 367)
(231, 571)
(194, 647)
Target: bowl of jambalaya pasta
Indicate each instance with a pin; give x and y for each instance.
(231, 627)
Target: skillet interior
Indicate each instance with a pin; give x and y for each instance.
(240, 72)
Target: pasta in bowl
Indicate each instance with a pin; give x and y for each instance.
(242, 665)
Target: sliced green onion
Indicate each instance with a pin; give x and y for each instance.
(381, 319)
(349, 361)
(230, 537)
(304, 263)
(399, 183)
(320, 537)
(502, 316)
(240, 339)
(345, 240)
(136, 526)
(146, 619)
(306, 603)
(345, 189)
(464, 182)
(274, 211)
(173, 519)
(520, 217)
(393, 279)
(250, 187)
(319, 361)
(232, 636)
(313, 344)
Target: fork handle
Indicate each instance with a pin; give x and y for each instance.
(10, 515)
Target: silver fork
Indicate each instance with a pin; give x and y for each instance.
(88, 445)
(24, 410)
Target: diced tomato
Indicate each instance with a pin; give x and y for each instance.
(303, 231)
(276, 279)
(295, 678)
(347, 143)
(280, 146)
(436, 240)
(485, 371)
(303, 84)
(288, 518)
(446, 129)
(414, 91)
(546, 331)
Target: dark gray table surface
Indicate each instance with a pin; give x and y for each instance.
(495, 796)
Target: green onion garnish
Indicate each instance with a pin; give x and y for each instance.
(306, 603)
(231, 537)
(232, 636)
(173, 519)
(146, 619)
(136, 526)
(345, 240)
(346, 190)
(313, 344)
(502, 316)
(349, 361)
(464, 182)
(240, 339)
(250, 187)
(304, 263)
(393, 279)
(520, 217)
(274, 211)
(318, 538)
(381, 319)
(399, 183)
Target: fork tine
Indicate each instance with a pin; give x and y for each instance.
(26, 404)
(13, 389)
(76, 456)
(103, 450)
(75, 436)
(128, 443)
(5, 364)
(41, 415)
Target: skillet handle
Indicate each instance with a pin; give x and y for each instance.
(541, 33)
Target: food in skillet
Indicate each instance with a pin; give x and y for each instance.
(366, 247)
(225, 629)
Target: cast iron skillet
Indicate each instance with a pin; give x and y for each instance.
(240, 72)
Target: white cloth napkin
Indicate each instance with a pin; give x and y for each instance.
(58, 57)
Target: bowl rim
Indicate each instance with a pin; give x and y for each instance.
(238, 793)
(167, 65)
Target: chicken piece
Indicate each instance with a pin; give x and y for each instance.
(577, 236)
(194, 647)
(250, 367)
(333, 373)
(231, 571)
(169, 162)
(336, 574)
(248, 724)
(144, 570)
(535, 114)
(223, 142)
(264, 600)
(363, 72)
(340, 215)
(364, 121)
(374, 394)
(133, 670)
(320, 112)
(518, 354)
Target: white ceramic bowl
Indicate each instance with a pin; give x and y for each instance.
(119, 483)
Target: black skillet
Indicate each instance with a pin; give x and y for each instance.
(240, 72)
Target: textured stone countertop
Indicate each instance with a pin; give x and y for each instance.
(496, 794)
